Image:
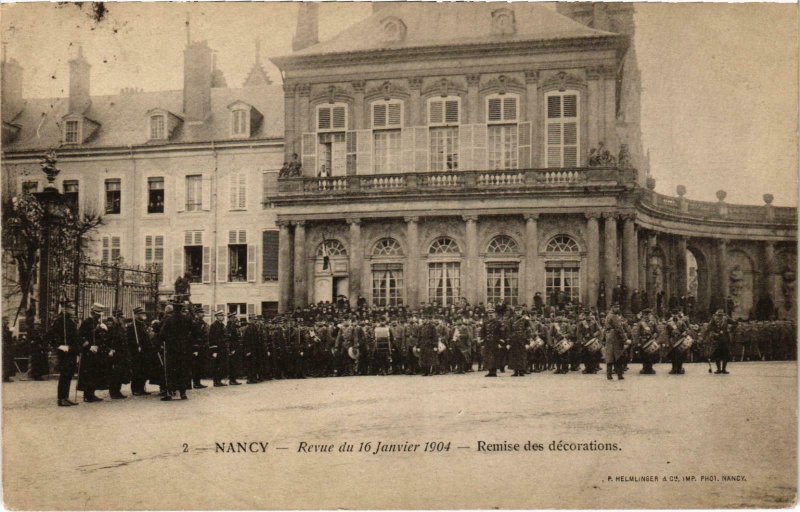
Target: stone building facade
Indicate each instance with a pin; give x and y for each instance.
(495, 164)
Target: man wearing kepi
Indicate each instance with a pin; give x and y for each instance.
(718, 335)
(63, 337)
(492, 335)
(218, 347)
(92, 368)
(644, 333)
(142, 364)
(175, 333)
(615, 343)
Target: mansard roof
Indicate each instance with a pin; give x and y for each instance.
(428, 24)
(122, 118)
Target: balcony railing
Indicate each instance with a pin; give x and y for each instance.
(433, 182)
(720, 210)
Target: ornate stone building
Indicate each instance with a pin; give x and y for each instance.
(492, 151)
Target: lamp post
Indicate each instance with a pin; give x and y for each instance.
(51, 201)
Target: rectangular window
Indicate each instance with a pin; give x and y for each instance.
(503, 145)
(238, 191)
(193, 263)
(71, 132)
(387, 284)
(562, 132)
(444, 149)
(564, 280)
(239, 309)
(113, 196)
(502, 283)
(240, 126)
(29, 187)
(237, 256)
(157, 128)
(112, 249)
(155, 195)
(71, 191)
(332, 154)
(269, 252)
(154, 254)
(270, 183)
(387, 151)
(194, 193)
(444, 283)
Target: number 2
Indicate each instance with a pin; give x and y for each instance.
(185, 448)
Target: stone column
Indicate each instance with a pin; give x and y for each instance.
(358, 105)
(683, 278)
(471, 285)
(414, 118)
(642, 242)
(356, 257)
(592, 258)
(412, 262)
(630, 256)
(288, 115)
(767, 286)
(533, 115)
(722, 262)
(532, 269)
(285, 274)
(300, 265)
(473, 81)
(611, 264)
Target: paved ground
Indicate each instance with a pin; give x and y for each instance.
(130, 454)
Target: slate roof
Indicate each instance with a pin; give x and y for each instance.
(123, 118)
(446, 24)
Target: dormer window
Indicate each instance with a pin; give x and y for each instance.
(158, 127)
(245, 119)
(332, 117)
(72, 132)
(241, 124)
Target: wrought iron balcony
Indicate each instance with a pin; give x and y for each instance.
(423, 183)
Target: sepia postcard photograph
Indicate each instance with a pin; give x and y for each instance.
(290, 255)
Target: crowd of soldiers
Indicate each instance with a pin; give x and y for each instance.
(179, 349)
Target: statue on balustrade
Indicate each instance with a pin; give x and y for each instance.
(624, 157)
(601, 157)
(292, 169)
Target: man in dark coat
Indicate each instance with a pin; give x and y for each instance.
(676, 330)
(93, 355)
(175, 333)
(118, 356)
(428, 341)
(645, 330)
(493, 337)
(615, 338)
(538, 302)
(143, 356)
(63, 337)
(718, 334)
(9, 370)
(218, 348)
(518, 336)
(199, 339)
(232, 334)
(39, 347)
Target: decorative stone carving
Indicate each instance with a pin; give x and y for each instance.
(503, 22)
(354, 221)
(531, 216)
(531, 76)
(601, 157)
(563, 81)
(721, 195)
(304, 90)
(681, 190)
(624, 157)
(473, 79)
(650, 183)
(411, 219)
(415, 83)
(393, 30)
(768, 198)
(443, 87)
(358, 86)
(502, 84)
(387, 90)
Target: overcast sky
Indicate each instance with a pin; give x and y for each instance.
(719, 99)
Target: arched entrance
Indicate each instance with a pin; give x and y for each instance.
(330, 271)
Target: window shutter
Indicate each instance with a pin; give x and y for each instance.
(234, 190)
(222, 263)
(364, 152)
(421, 149)
(269, 187)
(379, 115)
(251, 263)
(436, 112)
(251, 309)
(324, 118)
(570, 144)
(148, 250)
(351, 144)
(524, 156)
(242, 239)
(158, 253)
(553, 107)
(205, 185)
(395, 114)
(116, 247)
(180, 194)
(232, 237)
(177, 263)
(340, 118)
(465, 148)
(309, 153)
(106, 249)
(269, 251)
(553, 145)
(510, 108)
(479, 146)
(495, 110)
(570, 105)
(243, 190)
(407, 140)
(451, 112)
(206, 264)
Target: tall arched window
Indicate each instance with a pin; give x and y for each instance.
(562, 270)
(387, 273)
(334, 248)
(444, 271)
(502, 277)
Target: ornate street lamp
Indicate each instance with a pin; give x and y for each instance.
(52, 202)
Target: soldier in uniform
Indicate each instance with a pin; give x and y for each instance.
(63, 337)
(199, 339)
(383, 348)
(218, 347)
(142, 352)
(718, 334)
(493, 339)
(518, 336)
(119, 356)
(428, 341)
(644, 331)
(233, 338)
(92, 366)
(176, 330)
(676, 330)
(615, 337)
(251, 341)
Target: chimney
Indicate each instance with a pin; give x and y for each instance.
(11, 102)
(197, 71)
(307, 33)
(79, 92)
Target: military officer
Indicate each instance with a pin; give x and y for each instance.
(493, 341)
(92, 369)
(615, 343)
(63, 337)
(718, 334)
(644, 331)
(118, 355)
(218, 348)
(142, 352)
